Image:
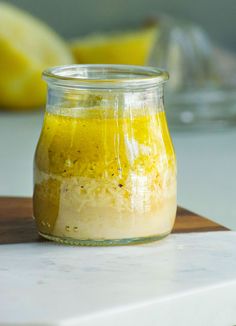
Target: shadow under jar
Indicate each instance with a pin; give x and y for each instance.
(104, 169)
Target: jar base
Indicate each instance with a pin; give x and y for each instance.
(105, 242)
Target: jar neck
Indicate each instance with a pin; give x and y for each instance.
(60, 98)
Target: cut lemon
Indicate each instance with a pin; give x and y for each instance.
(133, 47)
(27, 46)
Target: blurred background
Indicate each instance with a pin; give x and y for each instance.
(194, 40)
(73, 18)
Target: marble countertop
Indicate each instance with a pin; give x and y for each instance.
(186, 279)
(206, 165)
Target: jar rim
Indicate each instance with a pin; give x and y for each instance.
(105, 76)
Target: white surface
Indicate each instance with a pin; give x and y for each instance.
(187, 279)
(206, 166)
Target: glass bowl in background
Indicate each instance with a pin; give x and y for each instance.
(202, 87)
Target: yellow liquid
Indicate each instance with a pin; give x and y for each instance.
(104, 177)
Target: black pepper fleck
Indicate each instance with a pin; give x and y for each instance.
(120, 185)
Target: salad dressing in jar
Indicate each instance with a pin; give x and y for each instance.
(105, 169)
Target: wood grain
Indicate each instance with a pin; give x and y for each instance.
(17, 225)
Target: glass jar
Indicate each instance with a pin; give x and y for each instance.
(104, 169)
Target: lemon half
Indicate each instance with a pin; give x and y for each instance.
(132, 47)
(27, 47)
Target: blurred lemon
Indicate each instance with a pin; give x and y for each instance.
(133, 47)
(27, 46)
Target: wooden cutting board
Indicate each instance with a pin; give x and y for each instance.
(17, 225)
